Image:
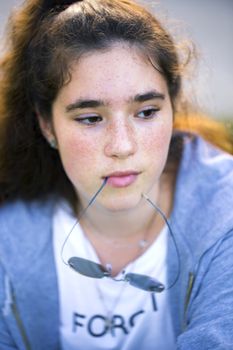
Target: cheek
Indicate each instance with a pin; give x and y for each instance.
(77, 155)
(157, 140)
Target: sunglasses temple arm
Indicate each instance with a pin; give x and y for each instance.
(172, 236)
(81, 214)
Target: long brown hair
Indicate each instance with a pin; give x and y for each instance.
(44, 37)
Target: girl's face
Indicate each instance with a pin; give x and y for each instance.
(113, 119)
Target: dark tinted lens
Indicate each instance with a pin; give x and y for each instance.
(144, 282)
(87, 267)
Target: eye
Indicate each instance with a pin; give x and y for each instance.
(148, 113)
(89, 120)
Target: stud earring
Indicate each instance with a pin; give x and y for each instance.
(53, 143)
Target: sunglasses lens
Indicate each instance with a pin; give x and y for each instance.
(87, 268)
(144, 282)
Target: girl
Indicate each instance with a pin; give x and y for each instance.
(116, 228)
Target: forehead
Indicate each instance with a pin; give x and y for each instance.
(114, 73)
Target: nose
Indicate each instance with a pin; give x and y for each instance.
(121, 139)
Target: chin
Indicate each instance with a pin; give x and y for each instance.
(121, 203)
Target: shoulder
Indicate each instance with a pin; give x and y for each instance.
(205, 175)
(24, 228)
(201, 157)
(21, 206)
(27, 269)
(17, 216)
(204, 194)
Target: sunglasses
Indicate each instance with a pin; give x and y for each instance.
(91, 269)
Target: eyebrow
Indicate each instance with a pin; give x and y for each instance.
(84, 104)
(151, 95)
(81, 103)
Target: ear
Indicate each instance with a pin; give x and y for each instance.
(46, 128)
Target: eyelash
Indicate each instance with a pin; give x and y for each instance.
(95, 119)
(89, 120)
(152, 113)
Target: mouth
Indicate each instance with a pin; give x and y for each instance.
(120, 179)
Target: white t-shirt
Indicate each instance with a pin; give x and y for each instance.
(140, 319)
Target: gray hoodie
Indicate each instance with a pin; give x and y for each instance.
(202, 299)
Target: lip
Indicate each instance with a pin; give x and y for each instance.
(120, 179)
